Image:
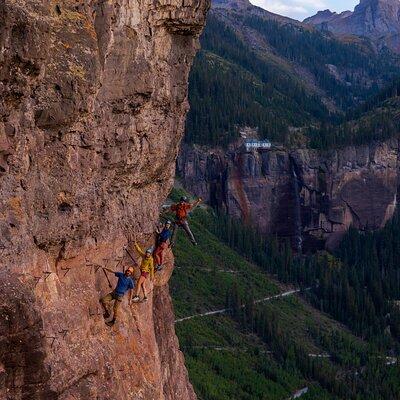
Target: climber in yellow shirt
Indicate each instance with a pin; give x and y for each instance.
(146, 269)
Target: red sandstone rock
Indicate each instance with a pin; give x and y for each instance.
(93, 97)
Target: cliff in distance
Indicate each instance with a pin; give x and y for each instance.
(378, 20)
(93, 98)
(310, 196)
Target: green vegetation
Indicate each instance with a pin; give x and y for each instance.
(232, 85)
(212, 268)
(263, 351)
(364, 291)
(358, 285)
(286, 81)
(316, 51)
(392, 91)
(377, 119)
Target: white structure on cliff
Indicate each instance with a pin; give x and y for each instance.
(254, 144)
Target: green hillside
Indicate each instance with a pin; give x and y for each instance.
(377, 119)
(276, 74)
(267, 350)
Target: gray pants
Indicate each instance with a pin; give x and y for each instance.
(184, 224)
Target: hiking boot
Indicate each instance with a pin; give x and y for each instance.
(106, 315)
(136, 299)
(110, 323)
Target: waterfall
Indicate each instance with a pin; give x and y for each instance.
(298, 226)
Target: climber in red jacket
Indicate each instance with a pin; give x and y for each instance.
(181, 211)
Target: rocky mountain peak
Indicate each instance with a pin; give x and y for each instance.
(377, 5)
(379, 2)
(378, 20)
(232, 4)
(321, 17)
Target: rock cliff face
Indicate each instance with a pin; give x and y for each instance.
(310, 196)
(93, 97)
(378, 20)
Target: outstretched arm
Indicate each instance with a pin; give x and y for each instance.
(139, 250)
(109, 270)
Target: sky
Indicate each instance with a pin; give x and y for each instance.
(300, 9)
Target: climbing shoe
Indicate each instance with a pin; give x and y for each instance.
(106, 315)
(110, 323)
(136, 299)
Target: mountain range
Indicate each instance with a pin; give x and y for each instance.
(378, 20)
(287, 75)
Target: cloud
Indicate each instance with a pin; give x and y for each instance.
(298, 9)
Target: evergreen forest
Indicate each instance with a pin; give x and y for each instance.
(281, 77)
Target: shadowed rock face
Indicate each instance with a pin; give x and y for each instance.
(21, 343)
(336, 189)
(93, 98)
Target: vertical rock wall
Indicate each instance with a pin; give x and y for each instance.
(93, 98)
(336, 189)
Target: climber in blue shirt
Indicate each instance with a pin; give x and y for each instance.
(125, 283)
